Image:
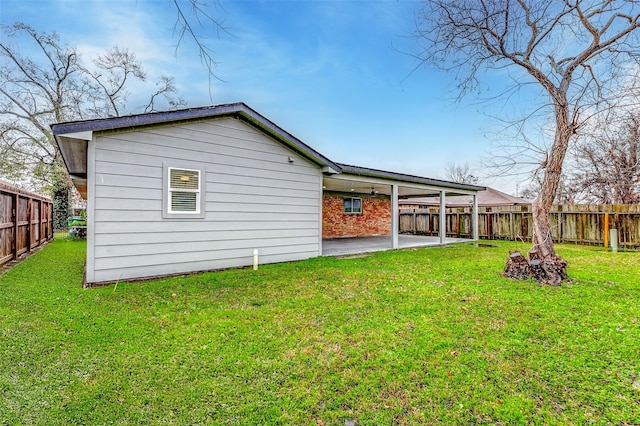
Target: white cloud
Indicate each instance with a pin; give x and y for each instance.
(130, 25)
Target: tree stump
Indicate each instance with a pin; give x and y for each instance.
(517, 266)
(546, 271)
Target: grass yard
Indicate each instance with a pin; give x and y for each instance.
(428, 336)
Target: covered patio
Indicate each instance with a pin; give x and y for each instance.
(357, 245)
(360, 183)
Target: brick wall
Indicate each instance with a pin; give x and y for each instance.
(374, 220)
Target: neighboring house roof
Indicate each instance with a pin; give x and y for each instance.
(72, 138)
(486, 198)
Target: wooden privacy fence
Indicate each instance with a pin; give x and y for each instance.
(26, 221)
(580, 224)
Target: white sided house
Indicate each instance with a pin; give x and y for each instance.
(202, 188)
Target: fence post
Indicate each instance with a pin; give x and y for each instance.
(606, 230)
(39, 222)
(415, 223)
(432, 221)
(29, 206)
(511, 226)
(524, 222)
(50, 218)
(16, 201)
(614, 240)
(560, 226)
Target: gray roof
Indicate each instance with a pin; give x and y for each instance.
(72, 137)
(239, 110)
(364, 171)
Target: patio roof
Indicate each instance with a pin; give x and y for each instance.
(363, 180)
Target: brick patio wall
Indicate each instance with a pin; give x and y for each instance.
(374, 220)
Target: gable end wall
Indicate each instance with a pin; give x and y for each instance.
(255, 199)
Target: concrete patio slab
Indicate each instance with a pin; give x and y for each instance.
(356, 245)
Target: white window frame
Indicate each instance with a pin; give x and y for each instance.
(351, 199)
(167, 192)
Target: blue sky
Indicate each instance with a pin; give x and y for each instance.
(333, 73)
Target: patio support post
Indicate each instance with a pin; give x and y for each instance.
(395, 212)
(474, 217)
(442, 231)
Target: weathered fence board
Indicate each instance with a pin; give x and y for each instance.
(580, 224)
(26, 221)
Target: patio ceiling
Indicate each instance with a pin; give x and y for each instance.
(365, 185)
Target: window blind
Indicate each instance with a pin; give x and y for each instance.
(184, 190)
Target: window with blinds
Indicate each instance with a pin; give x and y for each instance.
(184, 190)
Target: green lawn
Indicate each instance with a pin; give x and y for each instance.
(404, 337)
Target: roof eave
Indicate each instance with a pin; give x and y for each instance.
(364, 171)
(136, 120)
(238, 109)
(277, 132)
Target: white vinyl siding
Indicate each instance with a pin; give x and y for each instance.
(251, 197)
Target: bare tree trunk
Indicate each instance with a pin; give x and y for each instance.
(542, 241)
(543, 264)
